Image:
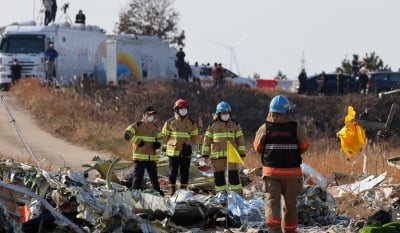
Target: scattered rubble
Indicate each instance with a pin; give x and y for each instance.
(31, 197)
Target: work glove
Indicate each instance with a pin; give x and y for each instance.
(128, 135)
(141, 143)
(156, 145)
(186, 150)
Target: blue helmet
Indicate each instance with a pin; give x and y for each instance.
(279, 104)
(223, 107)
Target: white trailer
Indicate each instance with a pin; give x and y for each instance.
(81, 49)
(85, 49)
(132, 59)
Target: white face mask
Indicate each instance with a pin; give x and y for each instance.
(224, 117)
(150, 118)
(183, 112)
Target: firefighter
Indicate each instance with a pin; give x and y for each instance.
(145, 139)
(214, 148)
(281, 141)
(180, 134)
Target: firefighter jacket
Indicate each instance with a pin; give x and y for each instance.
(178, 131)
(143, 135)
(217, 135)
(281, 142)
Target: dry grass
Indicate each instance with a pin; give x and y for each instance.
(326, 157)
(98, 119)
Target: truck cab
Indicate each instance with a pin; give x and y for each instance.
(28, 49)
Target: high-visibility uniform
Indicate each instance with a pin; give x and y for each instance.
(143, 135)
(180, 135)
(215, 147)
(281, 142)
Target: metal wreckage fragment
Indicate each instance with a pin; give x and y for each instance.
(99, 205)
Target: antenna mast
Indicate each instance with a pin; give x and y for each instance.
(303, 61)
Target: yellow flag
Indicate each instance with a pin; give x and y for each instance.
(352, 136)
(233, 154)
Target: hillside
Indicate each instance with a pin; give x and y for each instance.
(97, 118)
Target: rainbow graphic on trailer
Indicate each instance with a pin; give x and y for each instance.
(126, 65)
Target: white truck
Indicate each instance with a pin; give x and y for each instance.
(81, 50)
(84, 49)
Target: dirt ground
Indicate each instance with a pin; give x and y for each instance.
(52, 152)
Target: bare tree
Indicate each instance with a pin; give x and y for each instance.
(151, 18)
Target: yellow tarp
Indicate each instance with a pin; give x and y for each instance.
(352, 136)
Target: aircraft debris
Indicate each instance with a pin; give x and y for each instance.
(356, 187)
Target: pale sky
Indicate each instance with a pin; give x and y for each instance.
(270, 35)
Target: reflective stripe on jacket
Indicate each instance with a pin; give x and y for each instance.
(148, 133)
(217, 135)
(280, 146)
(177, 131)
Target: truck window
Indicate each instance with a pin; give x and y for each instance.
(22, 44)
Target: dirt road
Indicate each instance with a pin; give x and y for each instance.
(48, 149)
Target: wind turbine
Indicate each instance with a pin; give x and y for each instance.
(232, 52)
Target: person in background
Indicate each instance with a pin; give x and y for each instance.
(340, 80)
(281, 141)
(47, 11)
(80, 17)
(53, 10)
(363, 79)
(179, 135)
(214, 74)
(15, 71)
(145, 139)
(321, 83)
(302, 78)
(214, 147)
(355, 66)
(50, 55)
(180, 62)
(196, 73)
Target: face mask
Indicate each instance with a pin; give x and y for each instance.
(183, 112)
(150, 118)
(224, 117)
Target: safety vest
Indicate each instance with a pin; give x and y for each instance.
(281, 155)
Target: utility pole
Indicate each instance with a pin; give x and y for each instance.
(33, 13)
